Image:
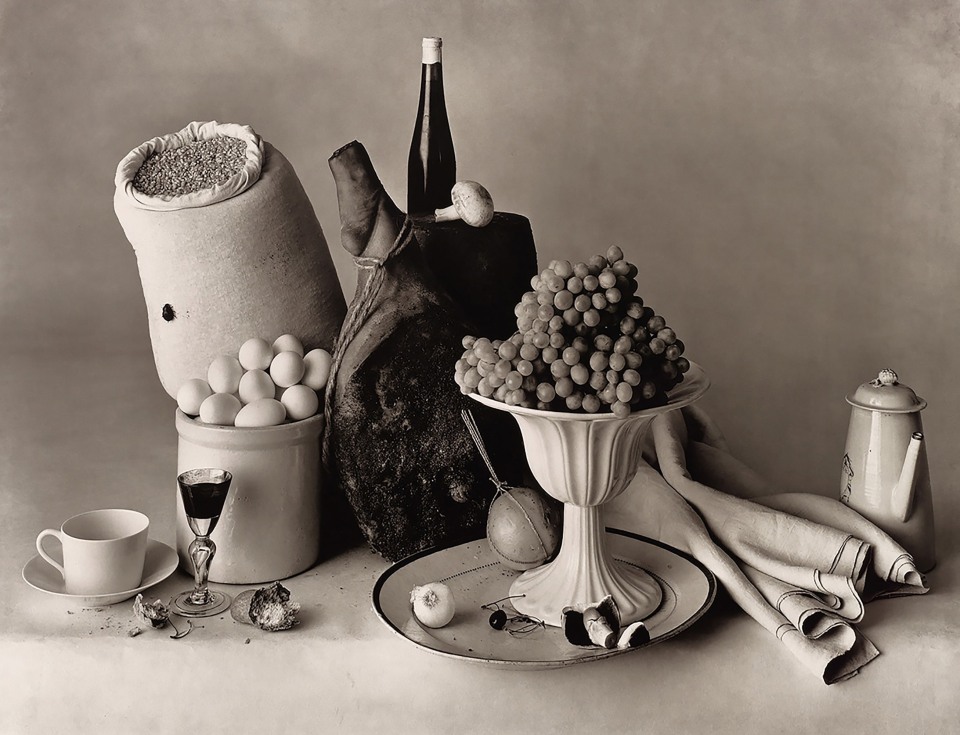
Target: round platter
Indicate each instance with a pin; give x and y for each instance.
(476, 577)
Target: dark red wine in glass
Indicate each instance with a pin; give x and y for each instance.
(203, 493)
(203, 504)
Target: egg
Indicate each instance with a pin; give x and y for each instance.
(224, 374)
(220, 409)
(255, 354)
(192, 394)
(262, 412)
(286, 369)
(300, 401)
(256, 384)
(316, 368)
(287, 343)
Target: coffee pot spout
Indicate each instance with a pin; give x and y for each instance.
(902, 500)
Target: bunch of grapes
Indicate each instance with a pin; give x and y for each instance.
(585, 342)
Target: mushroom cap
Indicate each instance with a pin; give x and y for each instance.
(473, 203)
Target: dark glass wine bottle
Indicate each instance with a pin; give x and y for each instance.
(432, 167)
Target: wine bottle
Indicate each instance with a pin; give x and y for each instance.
(432, 167)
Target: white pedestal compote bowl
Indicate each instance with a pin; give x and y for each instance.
(585, 460)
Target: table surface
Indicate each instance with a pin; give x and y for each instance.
(81, 429)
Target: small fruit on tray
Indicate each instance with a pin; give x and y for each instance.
(585, 342)
(433, 604)
(523, 528)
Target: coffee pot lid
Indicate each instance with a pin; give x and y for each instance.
(886, 393)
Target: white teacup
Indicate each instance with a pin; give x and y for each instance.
(103, 551)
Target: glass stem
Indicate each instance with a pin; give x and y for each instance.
(201, 551)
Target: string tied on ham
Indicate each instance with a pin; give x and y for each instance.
(367, 264)
(357, 315)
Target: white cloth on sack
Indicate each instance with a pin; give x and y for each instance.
(244, 258)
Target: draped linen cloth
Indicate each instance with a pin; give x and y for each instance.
(802, 565)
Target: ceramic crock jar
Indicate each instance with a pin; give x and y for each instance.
(884, 475)
(270, 526)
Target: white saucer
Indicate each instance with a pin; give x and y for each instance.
(161, 561)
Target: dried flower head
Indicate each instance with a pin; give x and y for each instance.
(155, 614)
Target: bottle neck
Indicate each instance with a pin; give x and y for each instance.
(431, 80)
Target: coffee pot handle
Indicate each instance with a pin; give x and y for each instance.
(46, 557)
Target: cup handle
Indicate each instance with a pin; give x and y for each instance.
(46, 557)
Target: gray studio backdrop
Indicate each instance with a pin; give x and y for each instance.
(785, 174)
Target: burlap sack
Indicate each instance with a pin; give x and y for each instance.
(246, 258)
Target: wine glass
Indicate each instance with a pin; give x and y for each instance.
(203, 492)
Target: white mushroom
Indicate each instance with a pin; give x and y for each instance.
(471, 202)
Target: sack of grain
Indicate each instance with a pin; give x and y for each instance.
(228, 247)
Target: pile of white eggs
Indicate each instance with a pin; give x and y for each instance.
(262, 385)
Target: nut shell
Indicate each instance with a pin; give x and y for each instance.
(269, 608)
(240, 607)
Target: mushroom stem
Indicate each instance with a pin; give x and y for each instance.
(447, 214)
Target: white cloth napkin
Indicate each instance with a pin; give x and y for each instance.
(802, 565)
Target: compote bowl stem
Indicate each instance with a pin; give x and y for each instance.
(584, 571)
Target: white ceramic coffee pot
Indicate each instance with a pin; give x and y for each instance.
(885, 475)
